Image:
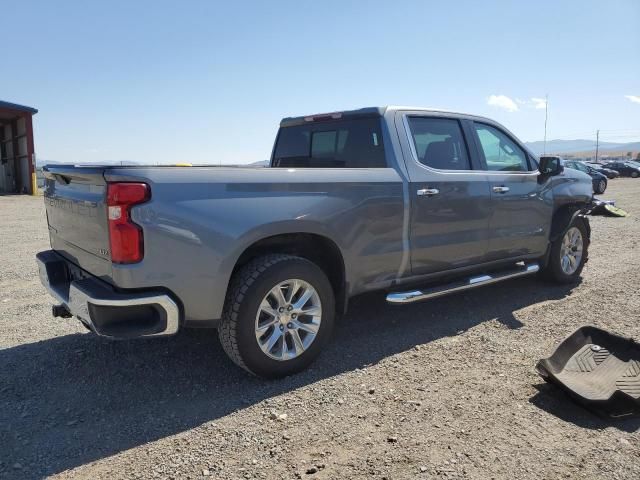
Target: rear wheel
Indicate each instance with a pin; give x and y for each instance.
(601, 186)
(278, 315)
(634, 174)
(568, 254)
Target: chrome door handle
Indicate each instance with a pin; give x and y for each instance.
(500, 189)
(428, 192)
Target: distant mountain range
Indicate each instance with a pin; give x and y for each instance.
(580, 146)
(576, 147)
(42, 162)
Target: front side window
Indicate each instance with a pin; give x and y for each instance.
(353, 143)
(500, 152)
(439, 143)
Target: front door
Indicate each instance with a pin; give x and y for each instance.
(450, 201)
(521, 206)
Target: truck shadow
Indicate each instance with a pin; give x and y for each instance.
(554, 401)
(74, 399)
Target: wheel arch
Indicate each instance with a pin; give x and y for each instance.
(316, 248)
(564, 216)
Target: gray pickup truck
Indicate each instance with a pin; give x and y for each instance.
(414, 202)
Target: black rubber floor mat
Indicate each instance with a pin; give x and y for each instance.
(599, 369)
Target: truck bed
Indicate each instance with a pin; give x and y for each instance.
(199, 220)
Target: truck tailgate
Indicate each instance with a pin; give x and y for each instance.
(75, 200)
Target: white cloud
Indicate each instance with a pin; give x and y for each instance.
(633, 98)
(539, 103)
(502, 101)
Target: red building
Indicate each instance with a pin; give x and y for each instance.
(17, 155)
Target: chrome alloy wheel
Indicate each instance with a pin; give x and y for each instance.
(288, 319)
(571, 251)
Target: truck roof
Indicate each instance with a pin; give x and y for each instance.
(366, 112)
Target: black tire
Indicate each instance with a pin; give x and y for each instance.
(601, 186)
(553, 270)
(634, 174)
(248, 288)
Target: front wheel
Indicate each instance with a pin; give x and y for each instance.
(634, 174)
(278, 315)
(601, 186)
(568, 254)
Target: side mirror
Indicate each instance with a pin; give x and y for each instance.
(550, 166)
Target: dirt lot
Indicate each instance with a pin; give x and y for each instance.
(444, 389)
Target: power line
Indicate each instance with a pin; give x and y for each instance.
(629, 135)
(546, 110)
(629, 132)
(572, 136)
(628, 138)
(622, 130)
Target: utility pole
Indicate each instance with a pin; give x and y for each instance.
(546, 110)
(597, 143)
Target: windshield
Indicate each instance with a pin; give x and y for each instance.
(576, 166)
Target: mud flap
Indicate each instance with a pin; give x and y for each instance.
(598, 369)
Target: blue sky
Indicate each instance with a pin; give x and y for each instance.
(207, 82)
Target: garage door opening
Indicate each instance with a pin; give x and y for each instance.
(17, 157)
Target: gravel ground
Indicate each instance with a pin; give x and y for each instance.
(443, 389)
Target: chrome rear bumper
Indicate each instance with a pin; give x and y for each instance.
(102, 309)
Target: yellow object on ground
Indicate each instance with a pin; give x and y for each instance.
(615, 211)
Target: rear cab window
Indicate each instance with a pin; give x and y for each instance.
(344, 143)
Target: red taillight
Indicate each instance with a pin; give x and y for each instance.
(125, 237)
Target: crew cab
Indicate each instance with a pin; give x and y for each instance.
(411, 202)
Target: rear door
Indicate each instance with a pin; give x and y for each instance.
(450, 201)
(521, 206)
(75, 200)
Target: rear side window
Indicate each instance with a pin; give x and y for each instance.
(346, 143)
(500, 152)
(439, 143)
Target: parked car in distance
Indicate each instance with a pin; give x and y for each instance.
(599, 180)
(625, 169)
(413, 202)
(609, 173)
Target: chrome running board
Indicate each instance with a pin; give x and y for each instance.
(401, 298)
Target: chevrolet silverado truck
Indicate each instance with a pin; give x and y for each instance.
(412, 202)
